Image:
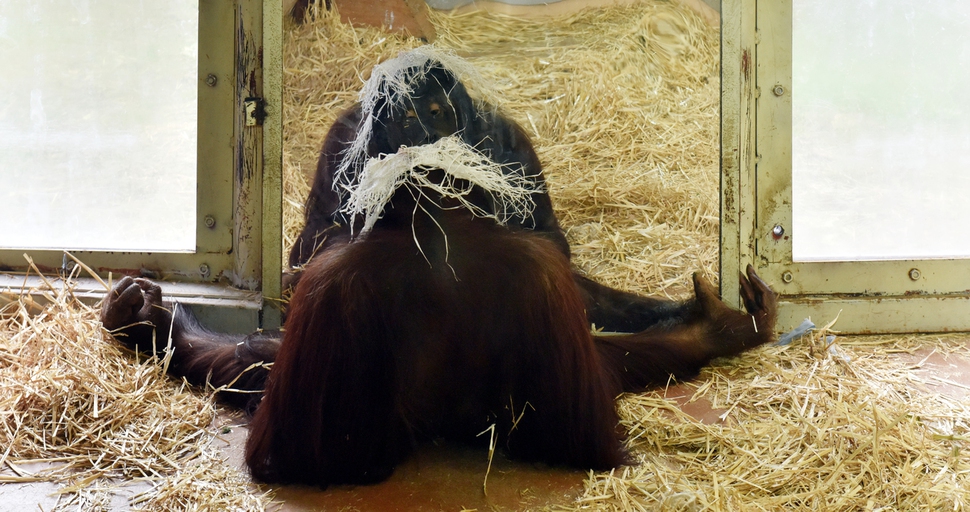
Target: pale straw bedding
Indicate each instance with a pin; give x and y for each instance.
(622, 104)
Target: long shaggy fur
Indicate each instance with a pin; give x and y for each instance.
(437, 322)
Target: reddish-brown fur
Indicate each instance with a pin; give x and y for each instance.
(405, 350)
(385, 349)
(437, 323)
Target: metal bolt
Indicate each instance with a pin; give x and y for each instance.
(204, 270)
(914, 274)
(210, 221)
(778, 89)
(778, 231)
(787, 277)
(211, 80)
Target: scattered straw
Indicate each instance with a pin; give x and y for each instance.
(622, 105)
(71, 399)
(808, 426)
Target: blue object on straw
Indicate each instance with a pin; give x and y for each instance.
(801, 330)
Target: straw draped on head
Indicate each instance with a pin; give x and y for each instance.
(366, 183)
(389, 86)
(464, 168)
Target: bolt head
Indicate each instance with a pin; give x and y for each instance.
(778, 231)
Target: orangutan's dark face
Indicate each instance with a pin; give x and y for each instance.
(430, 113)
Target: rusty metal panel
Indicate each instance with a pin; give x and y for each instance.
(879, 315)
(216, 71)
(272, 215)
(248, 145)
(773, 122)
(737, 142)
(905, 278)
(867, 296)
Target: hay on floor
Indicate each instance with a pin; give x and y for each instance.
(622, 105)
(808, 426)
(73, 400)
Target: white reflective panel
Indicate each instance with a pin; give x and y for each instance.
(98, 124)
(880, 129)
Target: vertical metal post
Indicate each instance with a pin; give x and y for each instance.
(248, 145)
(738, 95)
(272, 162)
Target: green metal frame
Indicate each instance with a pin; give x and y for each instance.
(867, 297)
(239, 224)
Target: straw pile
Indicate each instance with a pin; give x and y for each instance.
(804, 427)
(72, 400)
